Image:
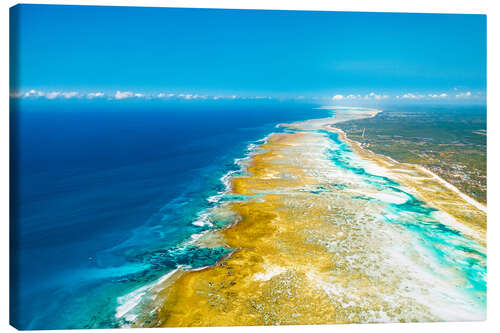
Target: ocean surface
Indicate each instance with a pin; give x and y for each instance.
(107, 195)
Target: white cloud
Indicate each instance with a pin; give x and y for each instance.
(352, 96)
(56, 94)
(69, 94)
(118, 95)
(443, 95)
(338, 97)
(33, 93)
(412, 96)
(95, 95)
(125, 94)
(52, 95)
(464, 95)
(189, 96)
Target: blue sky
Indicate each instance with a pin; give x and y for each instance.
(74, 51)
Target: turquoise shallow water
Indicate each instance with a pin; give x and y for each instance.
(459, 255)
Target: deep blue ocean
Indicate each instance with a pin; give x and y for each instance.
(103, 193)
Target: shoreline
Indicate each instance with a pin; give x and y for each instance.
(467, 213)
(451, 187)
(180, 288)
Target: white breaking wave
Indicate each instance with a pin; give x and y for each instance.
(130, 301)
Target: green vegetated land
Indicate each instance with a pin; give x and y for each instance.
(450, 141)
